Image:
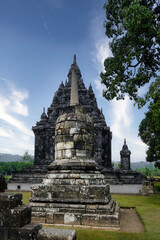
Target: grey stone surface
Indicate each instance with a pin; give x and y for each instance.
(56, 234)
(74, 87)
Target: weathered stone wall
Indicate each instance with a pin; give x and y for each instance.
(19, 186)
(72, 136)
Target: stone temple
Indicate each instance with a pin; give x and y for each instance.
(45, 130)
(74, 192)
(45, 138)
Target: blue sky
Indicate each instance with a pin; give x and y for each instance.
(38, 39)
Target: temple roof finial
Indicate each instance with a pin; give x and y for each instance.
(74, 90)
(125, 147)
(75, 67)
(43, 116)
(74, 59)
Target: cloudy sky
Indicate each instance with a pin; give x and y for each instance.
(38, 39)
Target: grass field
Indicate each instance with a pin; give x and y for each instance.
(148, 208)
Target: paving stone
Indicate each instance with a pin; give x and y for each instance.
(56, 234)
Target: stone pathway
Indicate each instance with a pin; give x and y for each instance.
(130, 221)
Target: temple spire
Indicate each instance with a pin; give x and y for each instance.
(74, 89)
(74, 59)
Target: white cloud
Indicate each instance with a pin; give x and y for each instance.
(99, 86)
(102, 52)
(101, 42)
(6, 133)
(121, 116)
(17, 98)
(15, 135)
(13, 103)
(46, 27)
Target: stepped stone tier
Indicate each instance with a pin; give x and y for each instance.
(74, 192)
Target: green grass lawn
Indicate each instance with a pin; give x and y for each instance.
(26, 196)
(148, 208)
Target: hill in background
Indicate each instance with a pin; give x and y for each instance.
(5, 157)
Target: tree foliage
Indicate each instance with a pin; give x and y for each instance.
(27, 157)
(149, 129)
(134, 29)
(6, 168)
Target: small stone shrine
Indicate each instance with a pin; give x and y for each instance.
(124, 175)
(74, 192)
(125, 157)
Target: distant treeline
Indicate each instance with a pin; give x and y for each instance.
(6, 168)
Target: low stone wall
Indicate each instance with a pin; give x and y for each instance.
(114, 188)
(20, 186)
(126, 188)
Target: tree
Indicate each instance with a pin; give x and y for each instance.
(134, 27)
(149, 129)
(27, 157)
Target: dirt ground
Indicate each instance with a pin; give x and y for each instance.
(130, 221)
